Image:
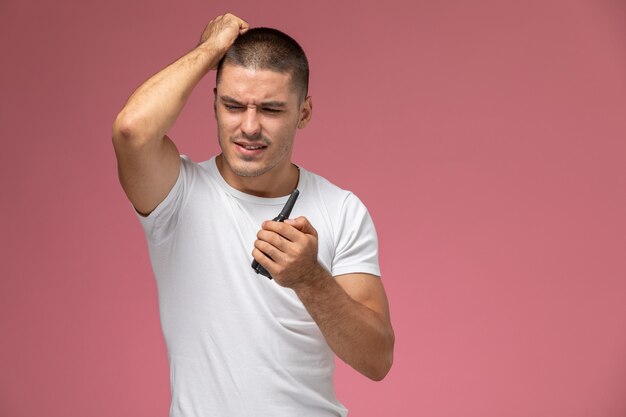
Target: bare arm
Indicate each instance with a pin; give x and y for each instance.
(351, 310)
(148, 161)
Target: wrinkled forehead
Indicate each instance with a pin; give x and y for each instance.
(248, 84)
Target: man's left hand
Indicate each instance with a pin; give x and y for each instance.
(288, 251)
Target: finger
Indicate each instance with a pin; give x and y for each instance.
(303, 225)
(243, 27)
(273, 239)
(285, 230)
(269, 250)
(263, 260)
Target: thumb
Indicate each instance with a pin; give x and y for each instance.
(302, 224)
(243, 26)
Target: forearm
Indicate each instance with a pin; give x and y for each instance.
(153, 108)
(358, 335)
(353, 316)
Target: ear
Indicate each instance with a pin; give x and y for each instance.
(306, 111)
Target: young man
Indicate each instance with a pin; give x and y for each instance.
(240, 344)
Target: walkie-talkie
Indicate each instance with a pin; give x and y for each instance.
(284, 214)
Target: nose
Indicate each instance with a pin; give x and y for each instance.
(250, 125)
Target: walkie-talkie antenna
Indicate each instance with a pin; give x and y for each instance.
(282, 216)
(286, 211)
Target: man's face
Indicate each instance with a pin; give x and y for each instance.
(258, 113)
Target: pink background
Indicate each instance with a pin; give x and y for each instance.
(486, 137)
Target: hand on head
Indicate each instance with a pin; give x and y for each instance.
(221, 32)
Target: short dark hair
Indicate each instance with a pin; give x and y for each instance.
(271, 49)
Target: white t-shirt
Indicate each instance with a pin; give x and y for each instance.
(238, 343)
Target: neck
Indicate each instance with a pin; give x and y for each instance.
(278, 182)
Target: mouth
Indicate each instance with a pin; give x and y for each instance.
(250, 148)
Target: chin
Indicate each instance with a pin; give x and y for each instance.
(248, 168)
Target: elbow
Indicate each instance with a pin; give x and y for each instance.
(383, 368)
(123, 128)
(383, 362)
(127, 130)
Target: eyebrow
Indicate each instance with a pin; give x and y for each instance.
(231, 100)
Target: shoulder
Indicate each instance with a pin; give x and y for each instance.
(195, 180)
(335, 198)
(195, 170)
(190, 164)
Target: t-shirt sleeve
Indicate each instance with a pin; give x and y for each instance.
(161, 222)
(356, 249)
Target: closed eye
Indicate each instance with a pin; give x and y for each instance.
(233, 107)
(271, 110)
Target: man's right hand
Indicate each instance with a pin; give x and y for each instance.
(148, 161)
(220, 33)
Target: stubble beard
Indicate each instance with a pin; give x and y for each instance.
(246, 166)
